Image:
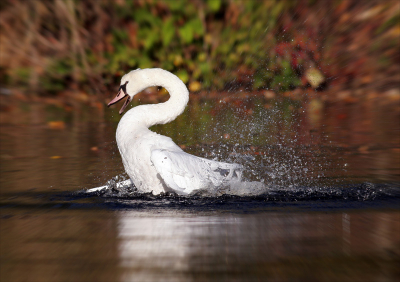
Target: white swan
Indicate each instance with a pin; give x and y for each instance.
(154, 162)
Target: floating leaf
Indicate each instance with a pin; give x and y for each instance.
(55, 157)
(56, 124)
(269, 94)
(314, 77)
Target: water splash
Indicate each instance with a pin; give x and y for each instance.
(315, 197)
(270, 141)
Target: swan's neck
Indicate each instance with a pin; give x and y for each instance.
(151, 114)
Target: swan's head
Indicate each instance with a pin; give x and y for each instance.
(131, 84)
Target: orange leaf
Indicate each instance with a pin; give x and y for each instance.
(56, 124)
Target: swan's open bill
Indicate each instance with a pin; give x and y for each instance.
(121, 95)
(154, 162)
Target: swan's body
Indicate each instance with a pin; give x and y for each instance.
(154, 162)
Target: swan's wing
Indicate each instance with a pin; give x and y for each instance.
(185, 173)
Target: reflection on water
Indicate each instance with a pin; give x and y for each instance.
(171, 245)
(248, 247)
(45, 237)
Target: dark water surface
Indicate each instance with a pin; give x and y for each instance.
(332, 212)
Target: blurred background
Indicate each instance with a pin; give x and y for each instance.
(305, 94)
(48, 47)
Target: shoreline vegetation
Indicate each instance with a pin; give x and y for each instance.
(336, 50)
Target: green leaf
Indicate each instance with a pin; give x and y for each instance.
(197, 26)
(175, 5)
(183, 75)
(259, 80)
(167, 65)
(204, 68)
(186, 32)
(119, 36)
(143, 16)
(167, 32)
(214, 5)
(144, 62)
(150, 40)
(277, 10)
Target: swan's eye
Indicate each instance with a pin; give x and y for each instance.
(123, 87)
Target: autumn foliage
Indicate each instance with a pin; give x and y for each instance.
(50, 46)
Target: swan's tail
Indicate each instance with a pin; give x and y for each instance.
(127, 182)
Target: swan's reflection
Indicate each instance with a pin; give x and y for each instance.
(154, 247)
(178, 246)
(151, 241)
